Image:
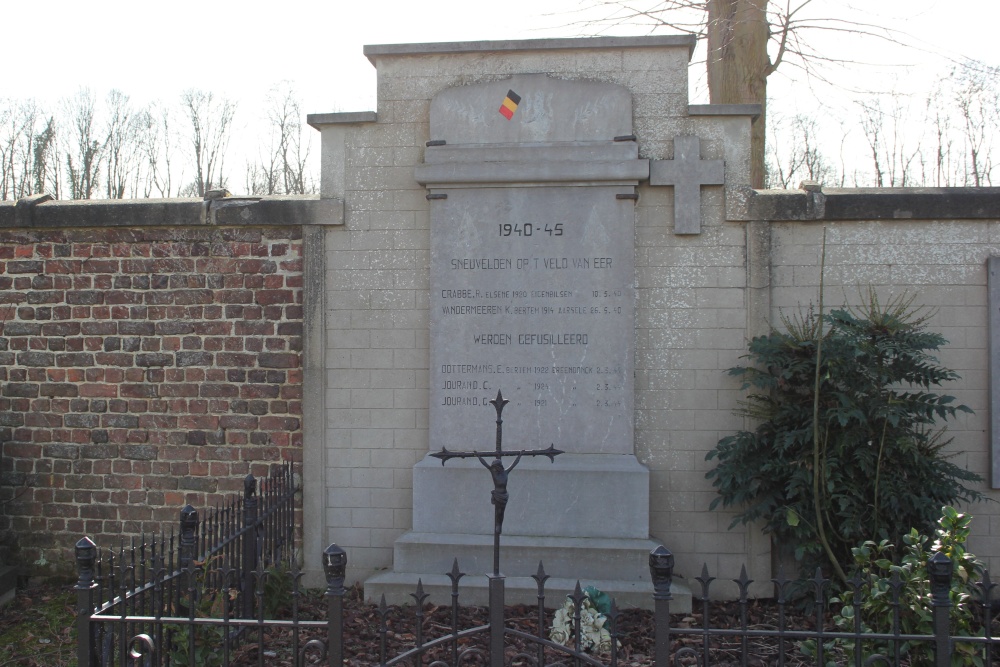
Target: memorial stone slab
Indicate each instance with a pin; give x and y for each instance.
(532, 274)
(532, 294)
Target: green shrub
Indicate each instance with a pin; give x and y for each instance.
(877, 564)
(874, 467)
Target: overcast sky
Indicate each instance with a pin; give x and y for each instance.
(241, 49)
(156, 50)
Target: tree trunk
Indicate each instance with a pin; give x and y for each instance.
(738, 65)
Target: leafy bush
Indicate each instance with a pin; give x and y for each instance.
(881, 574)
(874, 466)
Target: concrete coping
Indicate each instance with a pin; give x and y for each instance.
(318, 120)
(294, 210)
(372, 51)
(752, 110)
(815, 202)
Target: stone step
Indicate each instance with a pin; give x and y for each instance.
(569, 558)
(397, 588)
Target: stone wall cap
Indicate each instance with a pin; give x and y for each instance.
(318, 120)
(752, 110)
(821, 204)
(249, 211)
(372, 51)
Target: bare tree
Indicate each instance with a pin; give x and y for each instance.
(977, 98)
(283, 164)
(84, 150)
(211, 125)
(18, 130)
(803, 159)
(157, 140)
(46, 174)
(122, 147)
(893, 160)
(737, 33)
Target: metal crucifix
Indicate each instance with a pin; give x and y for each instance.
(498, 472)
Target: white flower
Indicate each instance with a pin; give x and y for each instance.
(593, 634)
(559, 635)
(604, 643)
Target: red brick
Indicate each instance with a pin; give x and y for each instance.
(218, 265)
(101, 266)
(177, 390)
(219, 390)
(122, 482)
(236, 438)
(157, 421)
(262, 266)
(202, 422)
(98, 390)
(22, 450)
(194, 375)
(218, 469)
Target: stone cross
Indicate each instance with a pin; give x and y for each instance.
(687, 172)
(498, 472)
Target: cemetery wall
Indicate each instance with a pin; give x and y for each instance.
(938, 255)
(150, 356)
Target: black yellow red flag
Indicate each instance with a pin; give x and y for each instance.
(509, 105)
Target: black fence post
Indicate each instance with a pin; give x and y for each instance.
(249, 539)
(335, 568)
(86, 556)
(189, 535)
(186, 555)
(661, 571)
(940, 571)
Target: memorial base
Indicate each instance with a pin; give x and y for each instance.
(585, 517)
(577, 495)
(618, 567)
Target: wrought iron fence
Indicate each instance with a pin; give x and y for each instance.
(127, 595)
(824, 643)
(138, 634)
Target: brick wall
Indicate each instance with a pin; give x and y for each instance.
(140, 369)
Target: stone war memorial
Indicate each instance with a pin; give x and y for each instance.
(523, 268)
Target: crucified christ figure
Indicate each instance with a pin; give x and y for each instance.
(499, 496)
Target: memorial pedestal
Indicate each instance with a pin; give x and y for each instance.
(584, 517)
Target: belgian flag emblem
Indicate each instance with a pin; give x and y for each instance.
(509, 105)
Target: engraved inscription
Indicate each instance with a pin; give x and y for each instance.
(539, 307)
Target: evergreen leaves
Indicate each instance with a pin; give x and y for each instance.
(883, 468)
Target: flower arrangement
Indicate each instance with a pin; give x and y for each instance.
(594, 609)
